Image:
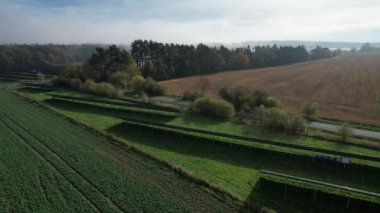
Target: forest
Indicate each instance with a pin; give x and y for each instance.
(158, 60)
(164, 61)
(46, 58)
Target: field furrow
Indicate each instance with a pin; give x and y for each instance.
(112, 179)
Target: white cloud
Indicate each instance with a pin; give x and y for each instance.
(190, 21)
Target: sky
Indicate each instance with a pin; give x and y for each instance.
(188, 21)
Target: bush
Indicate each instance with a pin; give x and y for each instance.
(244, 99)
(148, 86)
(344, 132)
(309, 110)
(40, 76)
(138, 84)
(153, 88)
(119, 79)
(271, 102)
(260, 98)
(278, 120)
(191, 95)
(213, 107)
(105, 89)
(144, 98)
(238, 96)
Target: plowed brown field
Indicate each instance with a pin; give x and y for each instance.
(345, 87)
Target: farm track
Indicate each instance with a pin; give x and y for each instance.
(66, 164)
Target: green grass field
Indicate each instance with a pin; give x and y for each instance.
(59, 165)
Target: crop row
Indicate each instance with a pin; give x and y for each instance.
(26, 177)
(78, 149)
(84, 187)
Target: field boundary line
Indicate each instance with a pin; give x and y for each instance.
(49, 164)
(68, 165)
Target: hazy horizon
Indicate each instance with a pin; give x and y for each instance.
(207, 21)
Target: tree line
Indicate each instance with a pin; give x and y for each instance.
(164, 61)
(158, 60)
(49, 58)
(109, 72)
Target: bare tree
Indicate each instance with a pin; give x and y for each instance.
(203, 84)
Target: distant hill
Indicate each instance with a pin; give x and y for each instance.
(308, 44)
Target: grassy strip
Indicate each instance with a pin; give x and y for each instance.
(123, 99)
(358, 141)
(132, 109)
(327, 189)
(127, 146)
(230, 141)
(193, 121)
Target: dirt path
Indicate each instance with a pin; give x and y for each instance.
(334, 128)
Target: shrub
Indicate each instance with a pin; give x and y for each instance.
(244, 99)
(138, 84)
(153, 88)
(295, 123)
(144, 97)
(260, 98)
(40, 76)
(278, 120)
(309, 110)
(119, 79)
(274, 120)
(148, 86)
(238, 96)
(213, 107)
(344, 132)
(103, 88)
(271, 102)
(191, 95)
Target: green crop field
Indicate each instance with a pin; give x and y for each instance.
(49, 163)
